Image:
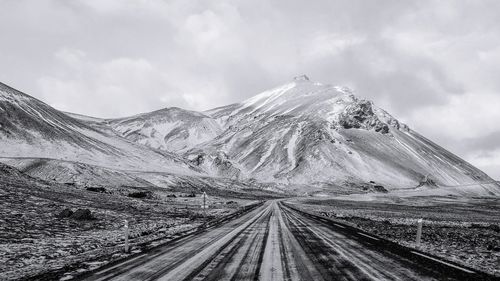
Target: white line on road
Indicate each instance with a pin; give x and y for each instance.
(366, 235)
(338, 225)
(443, 262)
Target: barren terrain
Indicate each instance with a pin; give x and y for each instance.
(463, 230)
(36, 238)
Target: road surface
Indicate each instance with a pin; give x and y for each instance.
(276, 242)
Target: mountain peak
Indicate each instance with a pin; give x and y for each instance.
(301, 78)
(300, 97)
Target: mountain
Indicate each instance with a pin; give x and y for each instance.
(30, 128)
(303, 136)
(171, 129)
(312, 134)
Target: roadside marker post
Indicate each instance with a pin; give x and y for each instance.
(419, 232)
(126, 236)
(204, 204)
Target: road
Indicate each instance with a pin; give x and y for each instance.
(276, 242)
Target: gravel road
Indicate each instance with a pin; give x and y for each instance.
(277, 242)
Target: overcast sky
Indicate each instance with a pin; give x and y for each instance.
(433, 64)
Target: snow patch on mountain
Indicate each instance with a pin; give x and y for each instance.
(291, 147)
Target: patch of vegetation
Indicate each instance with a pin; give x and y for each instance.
(140, 194)
(97, 189)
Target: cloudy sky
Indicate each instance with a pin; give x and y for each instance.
(433, 64)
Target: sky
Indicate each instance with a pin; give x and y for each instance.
(434, 65)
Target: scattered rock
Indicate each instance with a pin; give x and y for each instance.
(199, 160)
(82, 214)
(427, 181)
(494, 227)
(97, 189)
(224, 166)
(192, 194)
(66, 213)
(493, 247)
(140, 194)
(380, 188)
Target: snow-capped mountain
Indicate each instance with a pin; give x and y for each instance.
(30, 128)
(315, 134)
(302, 135)
(171, 129)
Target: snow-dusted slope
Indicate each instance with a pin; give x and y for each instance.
(170, 129)
(74, 172)
(310, 133)
(30, 128)
(301, 136)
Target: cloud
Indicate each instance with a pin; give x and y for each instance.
(471, 115)
(484, 151)
(323, 45)
(111, 88)
(488, 162)
(486, 143)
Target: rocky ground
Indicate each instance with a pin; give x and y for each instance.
(463, 230)
(41, 229)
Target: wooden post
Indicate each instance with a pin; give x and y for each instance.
(419, 232)
(204, 204)
(126, 236)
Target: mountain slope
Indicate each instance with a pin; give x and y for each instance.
(170, 129)
(314, 134)
(31, 128)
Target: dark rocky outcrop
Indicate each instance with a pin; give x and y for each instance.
(427, 181)
(140, 194)
(301, 78)
(66, 213)
(360, 115)
(97, 189)
(82, 214)
(380, 188)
